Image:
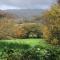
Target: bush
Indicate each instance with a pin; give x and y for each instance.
(33, 53)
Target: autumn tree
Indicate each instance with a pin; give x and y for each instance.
(52, 21)
(32, 30)
(6, 28)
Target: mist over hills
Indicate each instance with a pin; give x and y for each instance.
(25, 13)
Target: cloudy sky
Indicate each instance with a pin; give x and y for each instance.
(25, 4)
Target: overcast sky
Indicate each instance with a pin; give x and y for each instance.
(25, 4)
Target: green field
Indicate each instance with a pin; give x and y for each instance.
(25, 45)
(20, 42)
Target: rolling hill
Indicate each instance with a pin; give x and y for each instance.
(25, 13)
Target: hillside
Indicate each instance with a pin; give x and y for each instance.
(25, 13)
(22, 15)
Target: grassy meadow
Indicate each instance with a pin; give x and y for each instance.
(22, 43)
(17, 49)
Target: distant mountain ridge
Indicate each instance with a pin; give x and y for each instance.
(6, 14)
(25, 13)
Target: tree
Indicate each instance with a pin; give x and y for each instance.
(52, 21)
(6, 28)
(32, 30)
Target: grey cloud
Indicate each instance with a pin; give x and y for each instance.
(26, 3)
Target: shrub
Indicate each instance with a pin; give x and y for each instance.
(33, 53)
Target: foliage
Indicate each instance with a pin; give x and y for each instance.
(32, 53)
(9, 29)
(28, 49)
(32, 30)
(6, 28)
(52, 22)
